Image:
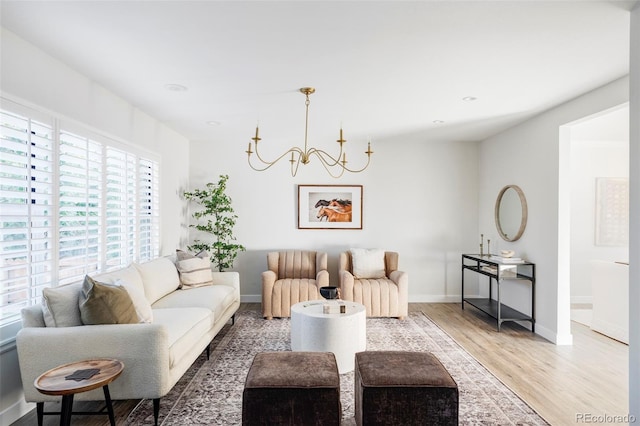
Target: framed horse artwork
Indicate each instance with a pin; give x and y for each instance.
(329, 206)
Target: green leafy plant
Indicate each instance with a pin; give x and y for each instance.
(218, 219)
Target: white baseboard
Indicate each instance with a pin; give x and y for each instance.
(553, 337)
(430, 298)
(251, 298)
(15, 411)
(586, 300)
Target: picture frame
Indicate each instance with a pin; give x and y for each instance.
(612, 212)
(330, 206)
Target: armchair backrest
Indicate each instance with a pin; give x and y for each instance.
(345, 262)
(296, 263)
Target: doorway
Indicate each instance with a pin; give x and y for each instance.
(598, 234)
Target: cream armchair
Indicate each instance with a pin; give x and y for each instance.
(383, 290)
(292, 277)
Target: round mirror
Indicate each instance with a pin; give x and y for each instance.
(511, 213)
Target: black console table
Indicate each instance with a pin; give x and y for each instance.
(501, 272)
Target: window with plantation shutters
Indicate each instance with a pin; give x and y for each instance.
(26, 212)
(120, 213)
(79, 207)
(71, 204)
(149, 217)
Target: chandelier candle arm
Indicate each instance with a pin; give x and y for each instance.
(304, 155)
(268, 165)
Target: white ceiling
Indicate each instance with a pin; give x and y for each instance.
(385, 69)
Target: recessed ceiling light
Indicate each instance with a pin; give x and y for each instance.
(438, 121)
(469, 98)
(175, 87)
(213, 123)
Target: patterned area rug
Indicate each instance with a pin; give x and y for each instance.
(210, 393)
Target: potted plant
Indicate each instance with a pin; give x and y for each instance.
(218, 219)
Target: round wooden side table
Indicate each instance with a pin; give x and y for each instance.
(82, 376)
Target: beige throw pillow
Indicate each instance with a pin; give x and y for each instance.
(194, 270)
(105, 304)
(368, 263)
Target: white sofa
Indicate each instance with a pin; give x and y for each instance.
(155, 354)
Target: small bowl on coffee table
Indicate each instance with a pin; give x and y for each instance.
(329, 292)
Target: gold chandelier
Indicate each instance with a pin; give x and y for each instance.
(335, 166)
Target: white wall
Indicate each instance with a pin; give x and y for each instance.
(35, 78)
(634, 212)
(590, 160)
(530, 155)
(420, 200)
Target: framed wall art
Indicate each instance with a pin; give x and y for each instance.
(612, 212)
(329, 206)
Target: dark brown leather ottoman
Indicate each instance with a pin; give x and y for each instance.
(403, 388)
(292, 388)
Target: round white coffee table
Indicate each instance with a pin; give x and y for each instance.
(344, 334)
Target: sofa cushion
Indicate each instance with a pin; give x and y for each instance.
(194, 270)
(130, 279)
(140, 302)
(368, 263)
(185, 327)
(105, 304)
(60, 306)
(129, 274)
(216, 298)
(159, 277)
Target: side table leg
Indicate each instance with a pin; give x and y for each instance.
(66, 410)
(40, 412)
(107, 399)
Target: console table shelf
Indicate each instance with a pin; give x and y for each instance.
(502, 273)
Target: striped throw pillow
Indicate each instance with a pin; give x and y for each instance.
(194, 270)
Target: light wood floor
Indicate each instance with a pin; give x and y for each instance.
(559, 382)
